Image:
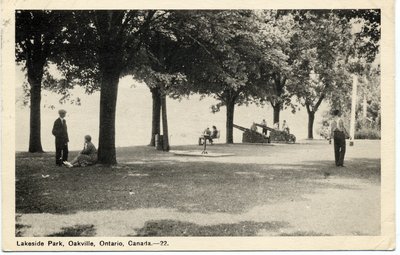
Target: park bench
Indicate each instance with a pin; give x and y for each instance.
(203, 137)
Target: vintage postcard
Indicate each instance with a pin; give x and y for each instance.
(193, 125)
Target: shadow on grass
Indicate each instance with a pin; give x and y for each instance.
(360, 168)
(304, 233)
(179, 228)
(77, 230)
(19, 229)
(203, 187)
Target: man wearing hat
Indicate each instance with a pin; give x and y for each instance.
(61, 134)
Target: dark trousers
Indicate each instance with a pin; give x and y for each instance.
(340, 147)
(264, 131)
(61, 153)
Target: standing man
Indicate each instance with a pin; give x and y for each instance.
(339, 134)
(61, 134)
(285, 127)
(264, 124)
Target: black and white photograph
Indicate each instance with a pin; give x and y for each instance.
(155, 123)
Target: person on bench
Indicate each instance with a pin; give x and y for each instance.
(209, 135)
(214, 133)
(206, 135)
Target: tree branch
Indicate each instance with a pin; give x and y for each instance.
(319, 102)
(219, 95)
(195, 40)
(308, 108)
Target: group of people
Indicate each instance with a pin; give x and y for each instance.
(88, 156)
(285, 127)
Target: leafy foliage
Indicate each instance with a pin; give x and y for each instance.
(320, 57)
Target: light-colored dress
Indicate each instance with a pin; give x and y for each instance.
(88, 156)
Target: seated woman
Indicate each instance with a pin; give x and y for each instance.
(214, 133)
(87, 157)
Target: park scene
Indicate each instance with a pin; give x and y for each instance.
(197, 123)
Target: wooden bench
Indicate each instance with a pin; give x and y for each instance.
(201, 138)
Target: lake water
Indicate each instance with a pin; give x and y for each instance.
(186, 118)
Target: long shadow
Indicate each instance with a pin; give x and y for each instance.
(357, 168)
(77, 230)
(179, 228)
(203, 187)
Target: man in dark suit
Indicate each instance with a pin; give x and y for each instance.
(339, 134)
(61, 134)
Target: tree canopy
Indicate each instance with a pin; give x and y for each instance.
(236, 56)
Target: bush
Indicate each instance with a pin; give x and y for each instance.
(368, 133)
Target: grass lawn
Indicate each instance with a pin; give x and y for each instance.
(268, 190)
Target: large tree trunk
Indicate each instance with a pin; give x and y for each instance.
(277, 110)
(35, 69)
(311, 110)
(155, 122)
(311, 116)
(35, 144)
(165, 123)
(111, 62)
(108, 103)
(230, 110)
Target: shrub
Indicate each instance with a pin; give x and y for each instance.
(367, 133)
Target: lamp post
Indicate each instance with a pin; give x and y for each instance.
(353, 110)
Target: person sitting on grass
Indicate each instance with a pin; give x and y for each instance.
(87, 157)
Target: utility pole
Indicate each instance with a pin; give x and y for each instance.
(164, 122)
(365, 106)
(353, 109)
